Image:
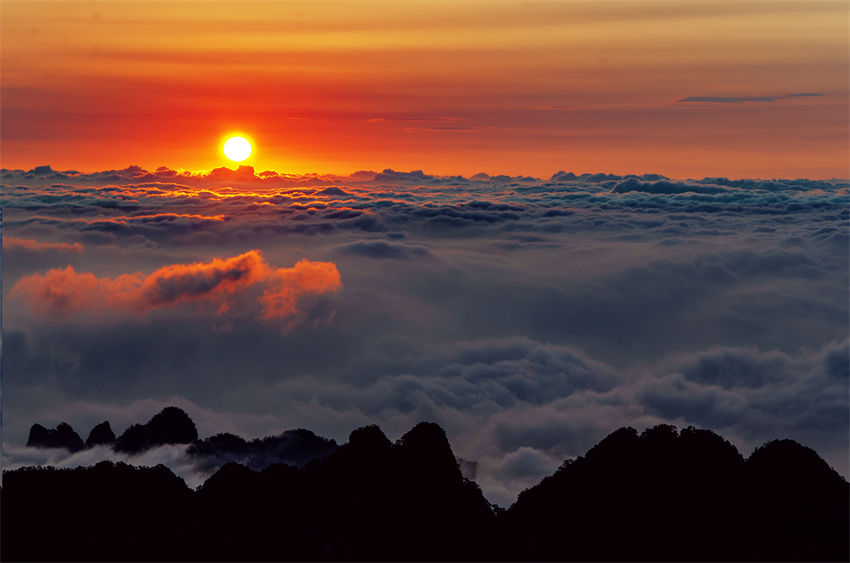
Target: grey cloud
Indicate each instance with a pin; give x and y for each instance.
(755, 392)
(526, 462)
(662, 187)
(381, 250)
(707, 406)
(731, 368)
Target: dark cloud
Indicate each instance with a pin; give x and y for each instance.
(731, 368)
(385, 250)
(415, 177)
(331, 192)
(662, 187)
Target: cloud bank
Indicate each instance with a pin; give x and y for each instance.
(529, 317)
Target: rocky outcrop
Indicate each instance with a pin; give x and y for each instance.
(63, 436)
(101, 434)
(170, 426)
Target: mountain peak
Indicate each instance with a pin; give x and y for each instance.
(100, 434)
(169, 426)
(63, 436)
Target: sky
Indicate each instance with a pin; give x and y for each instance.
(530, 222)
(687, 89)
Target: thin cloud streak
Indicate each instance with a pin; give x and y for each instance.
(14, 243)
(744, 99)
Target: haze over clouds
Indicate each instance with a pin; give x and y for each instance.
(529, 317)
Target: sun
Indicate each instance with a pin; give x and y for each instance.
(237, 149)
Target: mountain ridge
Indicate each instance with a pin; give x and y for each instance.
(663, 494)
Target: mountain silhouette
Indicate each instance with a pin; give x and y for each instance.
(63, 436)
(100, 435)
(797, 500)
(173, 426)
(169, 426)
(660, 495)
(369, 500)
(107, 512)
(666, 495)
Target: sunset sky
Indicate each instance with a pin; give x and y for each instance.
(685, 89)
(529, 222)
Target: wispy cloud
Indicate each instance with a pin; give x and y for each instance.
(743, 99)
(14, 243)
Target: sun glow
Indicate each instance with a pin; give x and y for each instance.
(237, 149)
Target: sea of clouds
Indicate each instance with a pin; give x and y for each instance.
(529, 317)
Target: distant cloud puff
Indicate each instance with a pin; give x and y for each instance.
(332, 192)
(60, 292)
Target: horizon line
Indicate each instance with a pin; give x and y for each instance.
(45, 169)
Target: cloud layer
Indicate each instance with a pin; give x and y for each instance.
(527, 316)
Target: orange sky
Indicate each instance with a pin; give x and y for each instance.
(500, 86)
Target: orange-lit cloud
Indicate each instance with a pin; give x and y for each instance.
(287, 285)
(174, 284)
(14, 243)
(61, 292)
